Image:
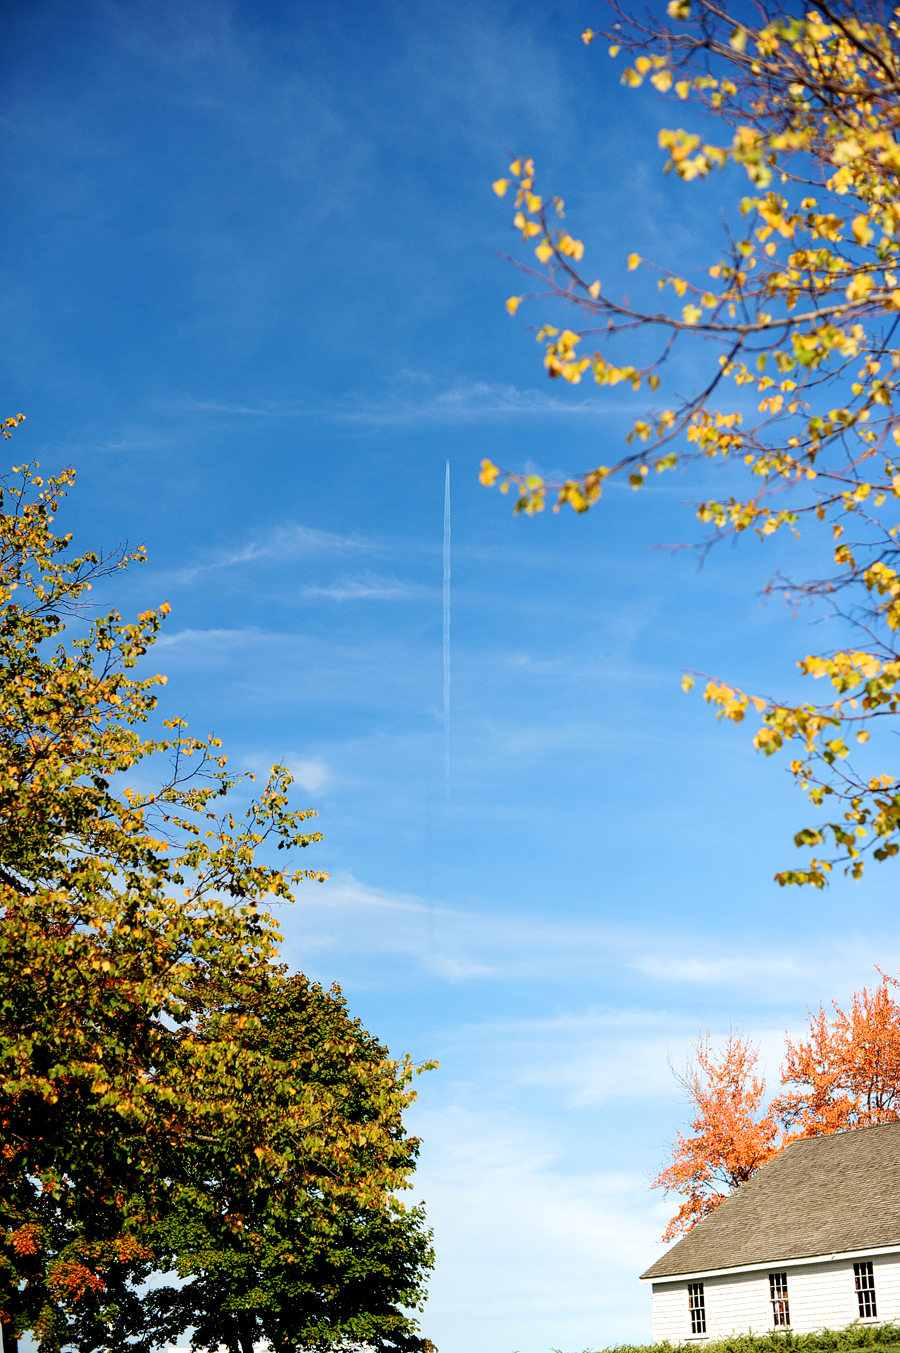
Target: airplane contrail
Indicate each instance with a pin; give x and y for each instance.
(447, 631)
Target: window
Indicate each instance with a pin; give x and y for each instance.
(781, 1314)
(865, 1289)
(697, 1308)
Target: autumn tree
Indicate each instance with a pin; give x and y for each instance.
(320, 1252)
(794, 334)
(137, 975)
(734, 1135)
(844, 1075)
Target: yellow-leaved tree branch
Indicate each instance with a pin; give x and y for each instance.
(804, 311)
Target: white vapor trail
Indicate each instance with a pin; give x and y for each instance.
(447, 631)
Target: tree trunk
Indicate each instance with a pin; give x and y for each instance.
(245, 1335)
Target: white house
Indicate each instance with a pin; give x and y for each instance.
(813, 1240)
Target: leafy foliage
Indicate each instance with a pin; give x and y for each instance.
(321, 1253)
(822, 1341)
(153, 1059)
(733, 1136)
(803, 307)
(845, 1075)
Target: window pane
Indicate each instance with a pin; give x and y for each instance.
(697, 1308)
(778, 1292)
(865, 1289)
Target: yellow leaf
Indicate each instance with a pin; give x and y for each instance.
(662, 80)
(574, 248)
(683, 88)
(691, 314)
(687, 680)
(738, 39)
(633, 261)
(680, 285)
(859, 287)
(594, 289)
(544, 251)
(588, 36)
(614, 50)
(489, 473)
(642, 65)
(862, 736)
(500, 186)
(513, 303)
(862, 231)
(678, 9)
(516, 168)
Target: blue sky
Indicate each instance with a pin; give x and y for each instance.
(252, 291)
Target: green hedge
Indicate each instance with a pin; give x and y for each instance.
(823, 1341)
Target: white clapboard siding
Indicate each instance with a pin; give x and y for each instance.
(821, 1293)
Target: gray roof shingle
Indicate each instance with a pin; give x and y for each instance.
(820, 1196)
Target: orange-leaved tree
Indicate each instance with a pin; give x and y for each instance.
(844, 1075)
(734, 1135)
(794, 328)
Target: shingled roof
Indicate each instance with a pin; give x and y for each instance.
(820, 1196)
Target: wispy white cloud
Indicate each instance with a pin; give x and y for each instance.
(273, 410)
(229, 638)
(453, 944)
(456, 944)
(583, 1056)
(528, 1241)
(127, 440)
(369, 587)
(732, 969)
(464, 945)
(469, 402)
(310, 775)
(283, 542)
(421, 398)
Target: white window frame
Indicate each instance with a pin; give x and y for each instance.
(697, 1309)
(864, 1284)
(778, 1295)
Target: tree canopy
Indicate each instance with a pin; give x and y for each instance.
(734, 1136)
(169, 1097)
(794, 330)
(317, 1253)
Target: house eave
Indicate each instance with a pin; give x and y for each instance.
(767, 1263)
